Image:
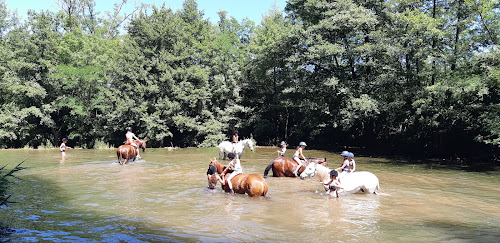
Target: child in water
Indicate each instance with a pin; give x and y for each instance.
(63, 146)
(334, 183)
(213, 178)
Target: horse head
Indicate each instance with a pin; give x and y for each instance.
(216, 163)
(142, 144)
(309, 171)
(250, 144)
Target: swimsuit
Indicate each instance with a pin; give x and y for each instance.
(345, 169)
(236, 167)
(132, 143)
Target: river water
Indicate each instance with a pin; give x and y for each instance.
(86, 196)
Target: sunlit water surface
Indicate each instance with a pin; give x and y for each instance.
(87, 196)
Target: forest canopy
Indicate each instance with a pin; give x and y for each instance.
(394, 76)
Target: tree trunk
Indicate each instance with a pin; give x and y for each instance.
(457, 34)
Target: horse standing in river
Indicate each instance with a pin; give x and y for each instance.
(128, 152)
(252, 184)
(238, 149)
(355, 182)
(284, 167)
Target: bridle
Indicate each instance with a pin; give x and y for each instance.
(310, 175)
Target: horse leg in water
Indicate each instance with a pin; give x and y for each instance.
(122, 158)
(129, 154)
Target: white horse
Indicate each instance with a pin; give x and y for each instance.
(226, 147)
(355, 182)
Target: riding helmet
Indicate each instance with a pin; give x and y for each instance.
(64, 139)
(283, 143)
(230, 155)
(302, 144)
(128, 129)
(334, 173)
(212, 169)
(345, 153)
(351, 155)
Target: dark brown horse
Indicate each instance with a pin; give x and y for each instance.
(284, 167)
(252, 184)
(128, 152)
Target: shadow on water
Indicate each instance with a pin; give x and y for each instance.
(41, 213)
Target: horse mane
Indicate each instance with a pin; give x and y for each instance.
(323, 170)
(214, 162)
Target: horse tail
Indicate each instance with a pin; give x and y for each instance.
(120, 155)
(268, 168)
(377, 188)
(265, 189)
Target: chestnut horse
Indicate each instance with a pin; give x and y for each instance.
(127, 152)
(284, 167)
(252, 184)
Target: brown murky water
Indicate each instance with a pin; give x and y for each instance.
(87, 196)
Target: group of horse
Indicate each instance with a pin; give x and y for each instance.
(255, 185)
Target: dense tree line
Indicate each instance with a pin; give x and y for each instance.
(401, 76)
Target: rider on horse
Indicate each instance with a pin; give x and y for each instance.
(235, 139)
(344, 167)
(234, 165)
(352, 163)
(298, 154)
(130, 140)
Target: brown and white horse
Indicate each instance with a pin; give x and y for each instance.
(284, 167)
(128, 152)
(252, 184)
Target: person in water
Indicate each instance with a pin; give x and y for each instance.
(333, 184)
(352, 163)
(299, 155)
(282, 151)
(213, 178)
(130, 141)
(235, 165)
(63, 146)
